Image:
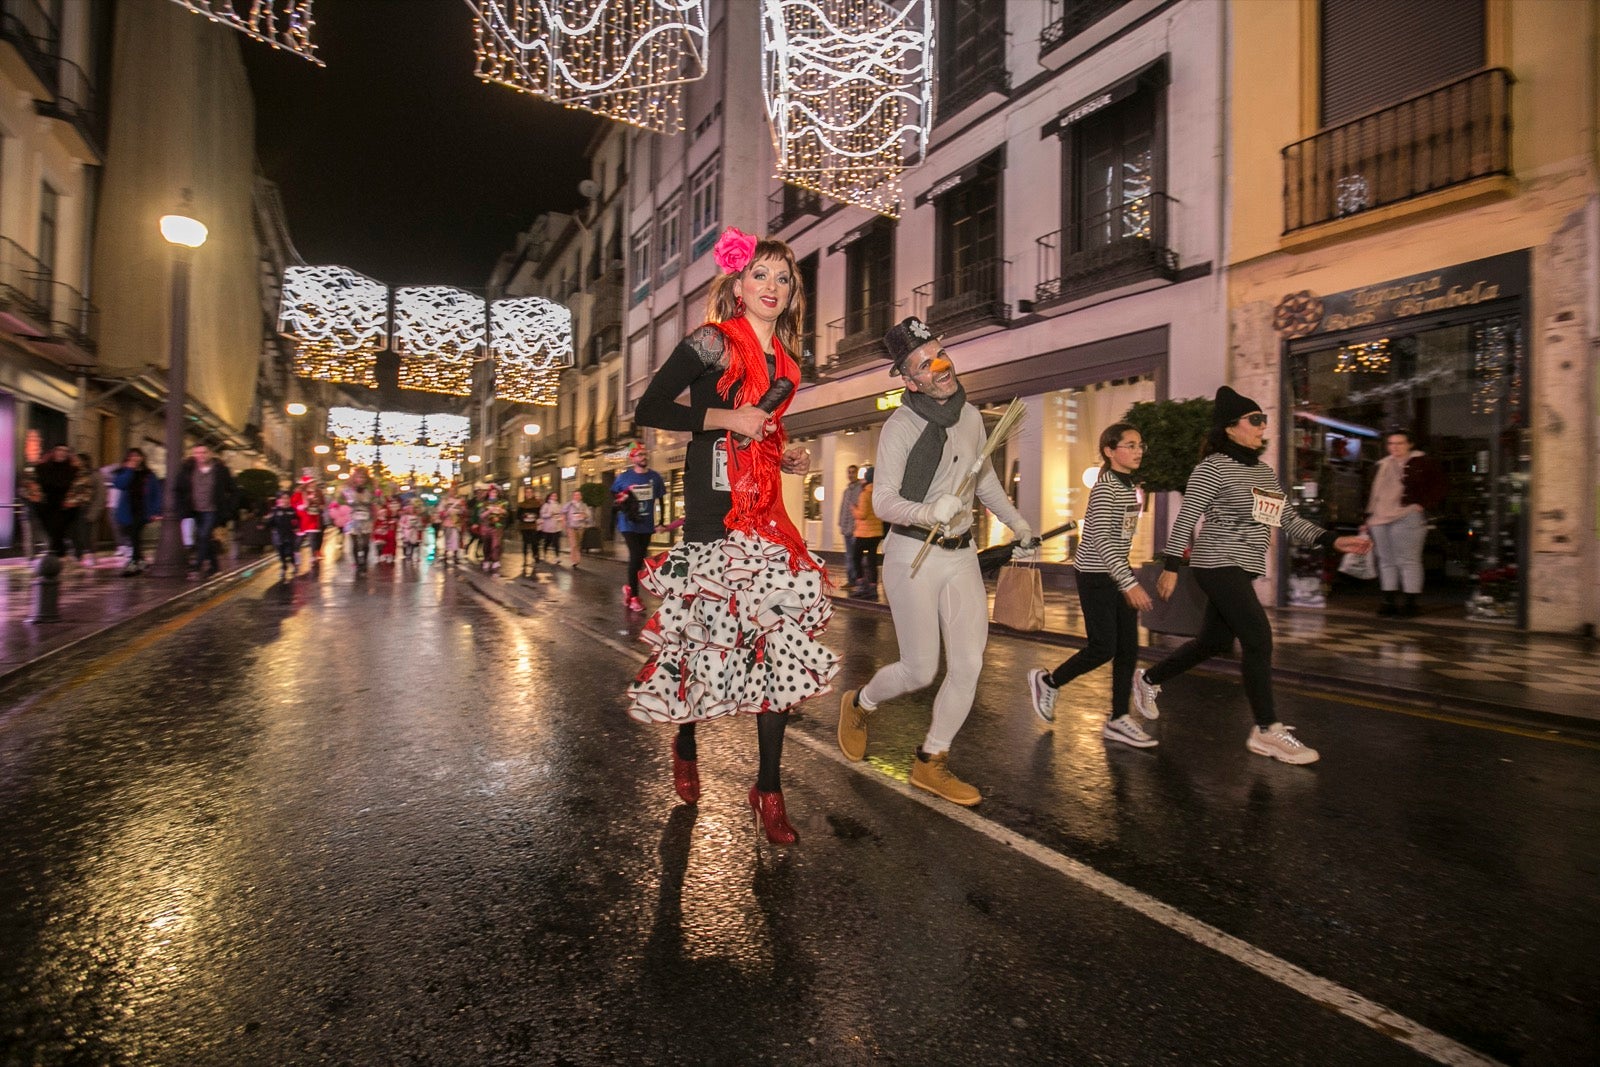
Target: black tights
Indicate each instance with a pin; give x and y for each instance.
(1232, 610)
(1113, 628)
(769, 742)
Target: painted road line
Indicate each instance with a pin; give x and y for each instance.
(1329, 994)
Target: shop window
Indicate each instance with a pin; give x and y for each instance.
(1459, 390)
(971, 45)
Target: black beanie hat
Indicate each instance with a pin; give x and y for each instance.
(1229, 407)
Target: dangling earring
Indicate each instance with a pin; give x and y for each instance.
(738, 305)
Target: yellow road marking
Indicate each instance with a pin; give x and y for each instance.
(1552, 734)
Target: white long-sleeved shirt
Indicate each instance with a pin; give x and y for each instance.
(1108, 528)
(963, 444)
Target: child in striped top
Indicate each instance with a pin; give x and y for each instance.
(1242, 502)
(1110, 594)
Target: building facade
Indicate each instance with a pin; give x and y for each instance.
(1413, 245)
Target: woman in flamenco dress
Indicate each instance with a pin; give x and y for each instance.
(742, 598)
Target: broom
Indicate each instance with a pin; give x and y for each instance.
(1010, 422)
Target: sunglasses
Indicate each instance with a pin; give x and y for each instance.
(1257, 419)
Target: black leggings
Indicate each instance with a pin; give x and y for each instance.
(866, 551)
(770, 726)
(530, 544)
(638, 548)
(1232, 611)
(1113, 628)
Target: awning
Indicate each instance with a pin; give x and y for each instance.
(202, 422)
(994, 161)
(1150, 76)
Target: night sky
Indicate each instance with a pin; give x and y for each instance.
(394, 159)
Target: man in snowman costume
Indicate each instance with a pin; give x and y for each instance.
(925, 452)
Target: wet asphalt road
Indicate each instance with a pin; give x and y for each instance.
(393, 823)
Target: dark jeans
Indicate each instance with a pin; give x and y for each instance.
(1113, 629)
(135, 532)
(205, 552)
(1232, 611)
(56, 522)
(638, 548)
(286, 547)
(850, 574)
(865, 556)
(530, 544)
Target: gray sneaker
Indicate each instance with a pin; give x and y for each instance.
(1043, 694)
(1279, 742)
(1124, 729)
(1144, 697)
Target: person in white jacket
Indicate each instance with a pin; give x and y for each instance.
(925, 452)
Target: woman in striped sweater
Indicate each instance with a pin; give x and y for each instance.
(1242, 502)
(1111, 596)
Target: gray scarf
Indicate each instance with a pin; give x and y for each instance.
(923, 462)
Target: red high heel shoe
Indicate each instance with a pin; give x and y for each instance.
(685, 776)
(771, 818)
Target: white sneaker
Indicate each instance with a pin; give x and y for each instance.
(1144, 697)
(1124, 729)
(89, 560)
(1279, 742)
(1043, 694)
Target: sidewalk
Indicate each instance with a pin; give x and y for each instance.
(1479, 668)
(94, 603)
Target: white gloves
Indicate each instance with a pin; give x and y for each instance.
(1027, 550)
(943, 509)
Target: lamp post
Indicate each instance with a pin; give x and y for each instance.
(185, 233)
(531, 429)
(297, 413)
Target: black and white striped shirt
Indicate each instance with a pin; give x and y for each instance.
(1241, 503)
(1108, 528)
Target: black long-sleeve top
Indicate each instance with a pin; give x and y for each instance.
(695, 365)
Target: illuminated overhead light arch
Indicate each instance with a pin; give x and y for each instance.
(283, 24)
(437, 333)
(624, 59)
(351, 426)
(530, 340)
(338, 321)
(849, 87)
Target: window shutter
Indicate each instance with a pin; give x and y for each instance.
(1377, 54)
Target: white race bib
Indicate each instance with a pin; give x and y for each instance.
(1266, 507)
(1130, 521)
(719, 468)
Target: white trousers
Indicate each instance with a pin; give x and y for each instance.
(947, 596)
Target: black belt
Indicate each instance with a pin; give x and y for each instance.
(921, 533)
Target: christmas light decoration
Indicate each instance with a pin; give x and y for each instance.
(359, 426)
(849, 94)
(625, 59)
(530, 341)
(1370, 357)
(438, 331)
(401, 461)
(338, 321)
(283, 24)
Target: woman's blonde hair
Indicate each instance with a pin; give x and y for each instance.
(722, 306)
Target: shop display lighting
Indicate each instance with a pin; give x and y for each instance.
(283, 24)
(1370, 357)
(625, 59)
(849, 94)
(338, 321)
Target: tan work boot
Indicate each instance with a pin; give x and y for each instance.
(852, 727)
(933, 774)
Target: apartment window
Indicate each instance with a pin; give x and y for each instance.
(1065, 19)
(705, 206)
(968, 228)
(639, 266)
(49, 208)
(669, 233)
(1114, 173)
(807, 356)
(1374, 55)
(869, 281)
(972, 52)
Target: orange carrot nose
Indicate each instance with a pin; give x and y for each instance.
(939, 366)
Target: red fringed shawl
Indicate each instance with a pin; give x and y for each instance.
(754, 471)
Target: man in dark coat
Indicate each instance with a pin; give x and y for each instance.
(205, 494)
(49, 490)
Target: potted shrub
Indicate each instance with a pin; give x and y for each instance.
(595, 496)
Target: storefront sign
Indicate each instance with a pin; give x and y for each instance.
(890, 400)
(1465, 285)
(569, 472)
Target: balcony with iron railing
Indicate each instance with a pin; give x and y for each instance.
(1130, 243)
(1065, 19)
(789, 204)
(601, 345)
(964, 299)
(25, 283)
(858, 338)
(26, 26)
(75, 318)
(77, 104)
(1446, 137)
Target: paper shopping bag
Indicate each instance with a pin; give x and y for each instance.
(1019, 598)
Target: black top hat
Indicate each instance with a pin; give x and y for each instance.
(904, 338)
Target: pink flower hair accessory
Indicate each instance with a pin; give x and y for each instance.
(733, 251)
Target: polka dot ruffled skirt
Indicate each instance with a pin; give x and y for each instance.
(736, 632)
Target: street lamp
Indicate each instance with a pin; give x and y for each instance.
(296, 412)
(185, 233)
(532, 430)
(321, 450)
(296, 409)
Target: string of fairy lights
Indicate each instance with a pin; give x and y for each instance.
(400, 444)
(848, 84)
